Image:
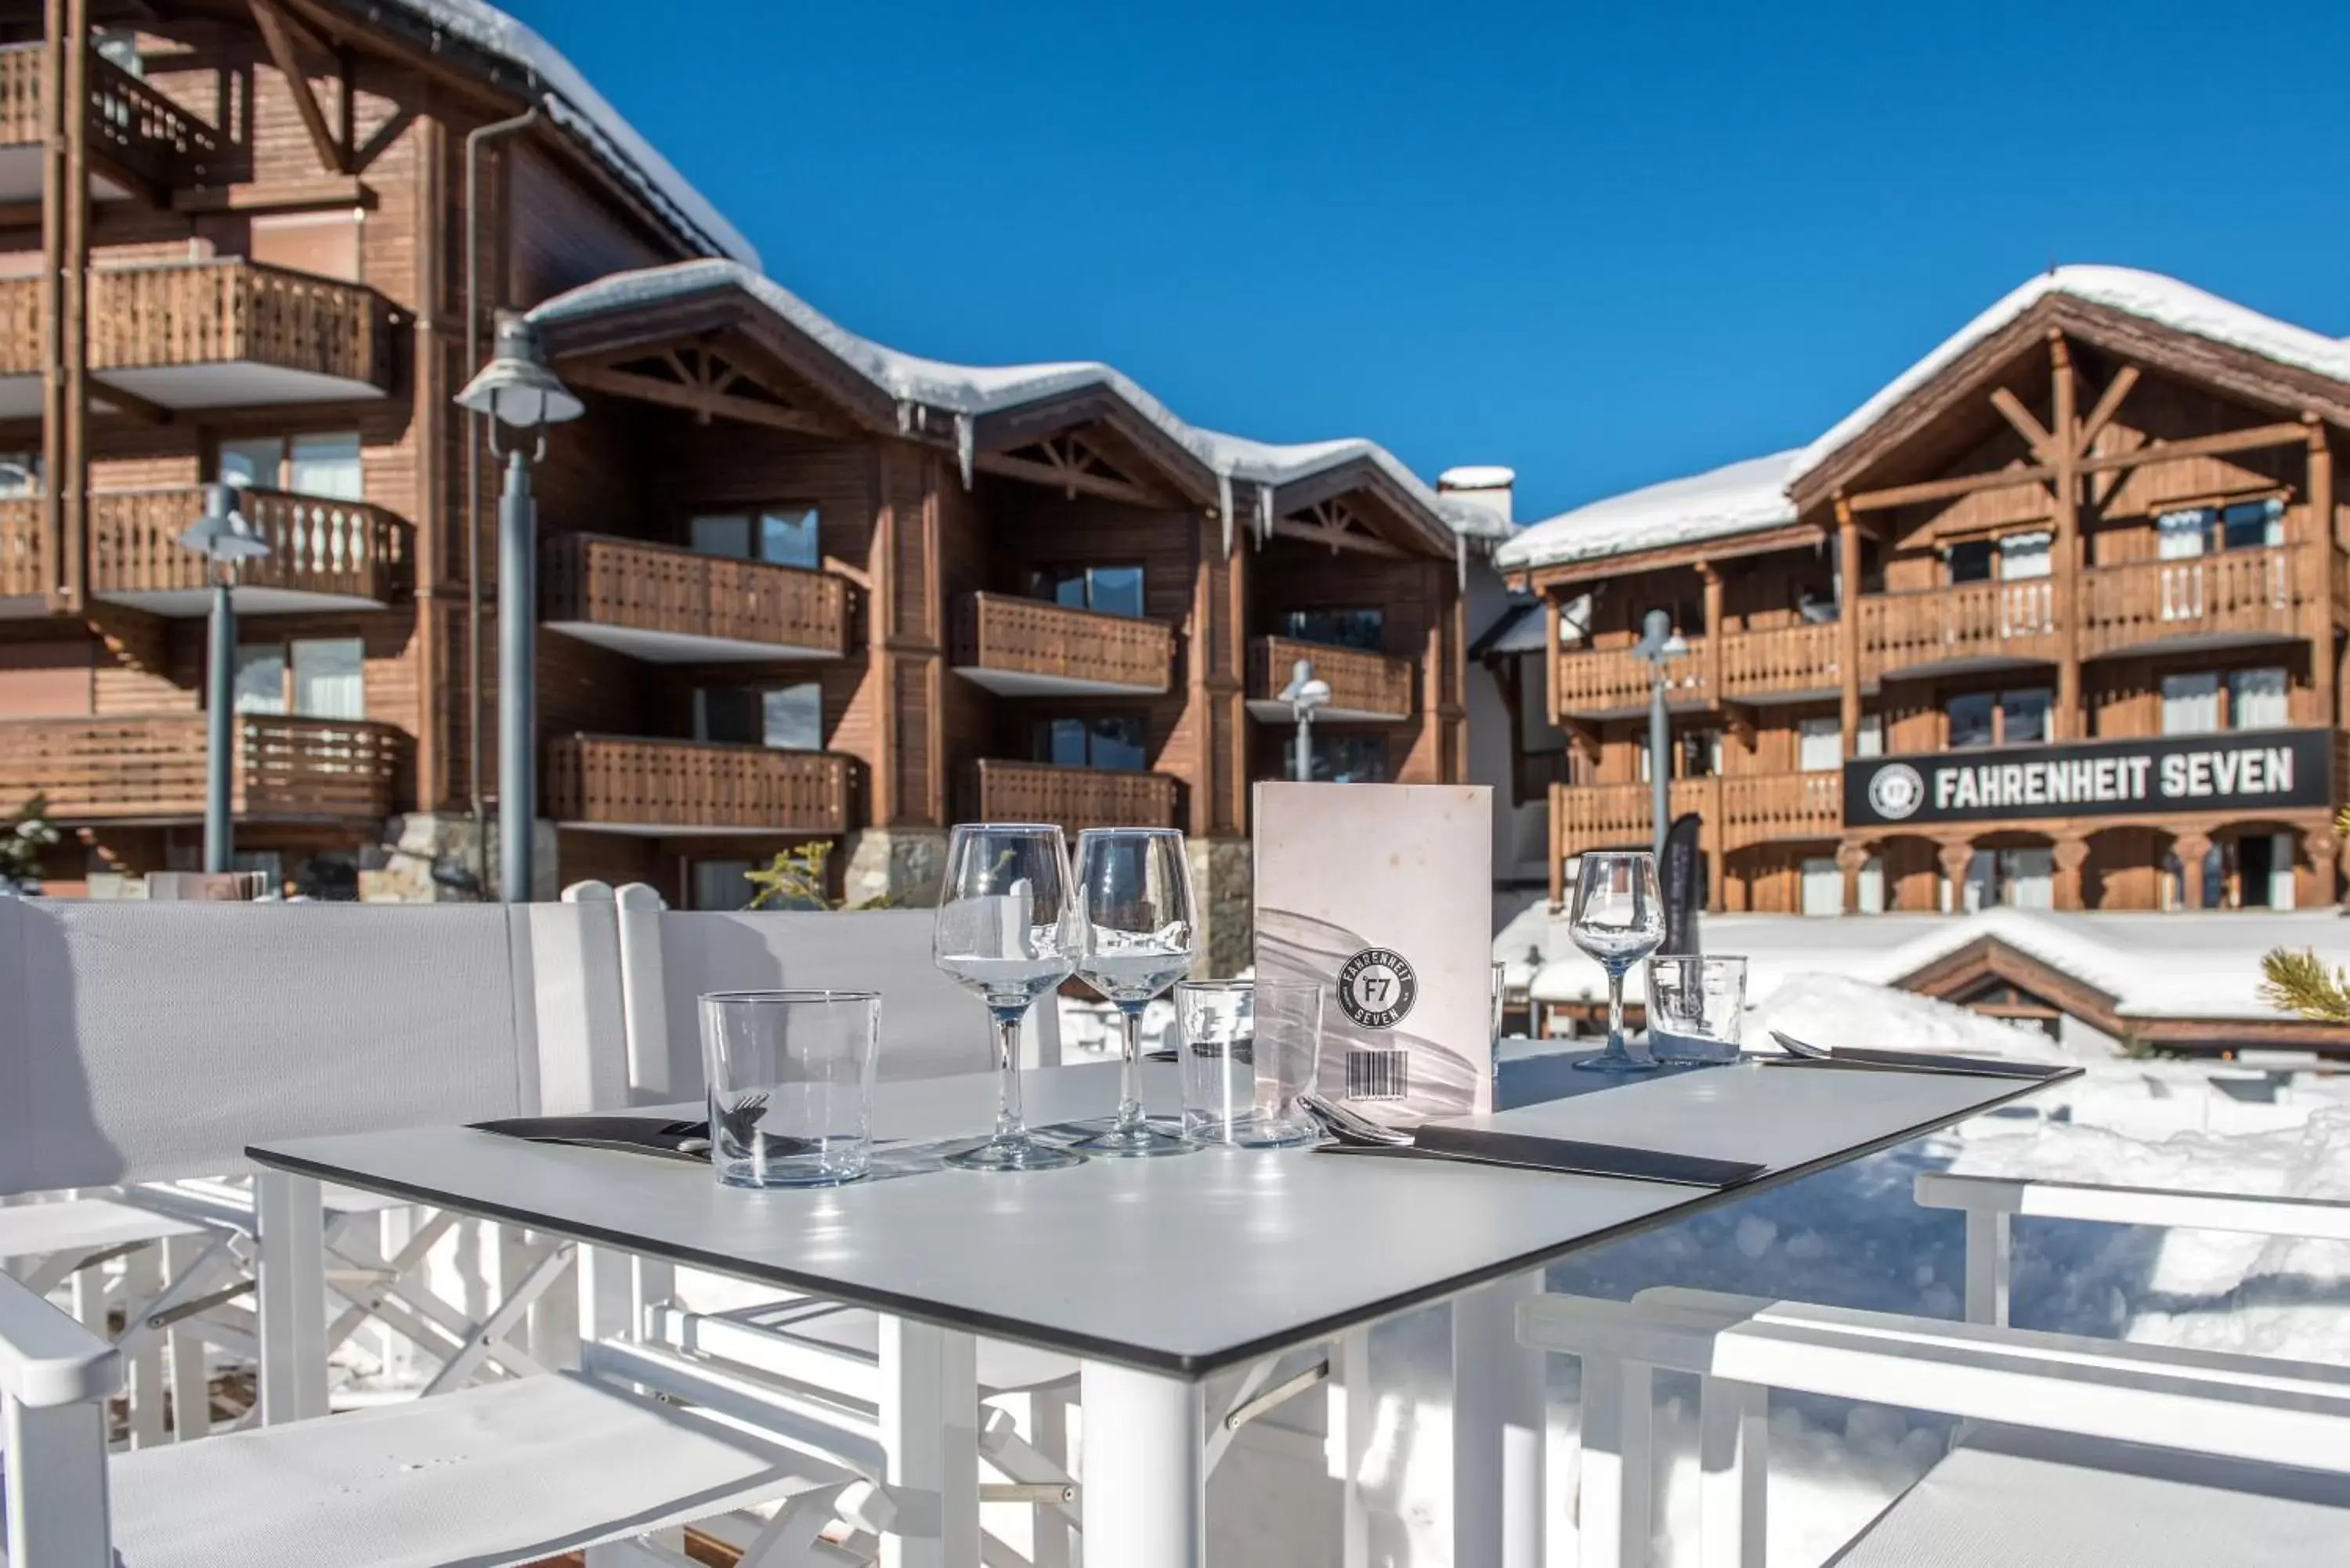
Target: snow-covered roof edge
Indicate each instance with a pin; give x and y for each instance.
(1742, 497)
(2166, 301)
(571, 102)
(970, 390)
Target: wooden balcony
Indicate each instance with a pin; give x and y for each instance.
(324, 555)
(669, 605)
(25, 573)
(628, 783)
(141, 141)
(1984, 623)
(225, 334)
(2249, 595)
(1739, 811)
(1022, 647)
(1596, 682)
(1075, 798)
(150, 768)
(1365, 688)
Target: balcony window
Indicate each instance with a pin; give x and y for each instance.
(2190, 703)
(2200, 530)
(780, 536)
(1359, 628)
(781, 717)
(2023, 555)
(1973, 720)
(2015, 879)
(1819, 745)
(309, 677)
(1970, 561)
(324, 465)
(1870, 741)
(2017, 718)
(2257, 700)
(1114, 742)
(20, 474)
(1350, 759)
(1106, 590)
(719, 884)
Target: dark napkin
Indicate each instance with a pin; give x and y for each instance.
(631, 1135)
(1485, 1144)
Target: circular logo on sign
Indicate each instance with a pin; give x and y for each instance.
(1895, 791)
(1377, 987)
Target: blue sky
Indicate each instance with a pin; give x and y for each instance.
(1602, 244)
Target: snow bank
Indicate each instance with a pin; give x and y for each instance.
(1837, 1010)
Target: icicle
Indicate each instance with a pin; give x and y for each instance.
(905, 417)
(1263, 514)
(1224, 507)
(1461, 555)
(965, 444)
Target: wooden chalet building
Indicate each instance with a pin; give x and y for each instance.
(2054, 620)
(795, 585)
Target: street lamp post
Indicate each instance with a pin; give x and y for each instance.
(517, 390)
(223, 537)
(1304, 695)
(1660, 644)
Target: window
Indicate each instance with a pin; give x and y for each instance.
(780, 535)
(2017, 718)
(20, 474)
(1350, 759)
(783, 718)
(2180, 534)
(325, 465)
(2023, 555)
(311, 678)
(1696, 753)
(1113, 741)
(2264, 870)
(719, 884)
(1107, 591)
(1870, 742)
(2198, 530)
(1819, 746)
(2252, 525)
(1822, 886)
(2018, 878)
(1970, 561)
(1363, 628)
(2190, 703)
(2256, 700)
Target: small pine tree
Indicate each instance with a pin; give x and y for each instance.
(795, 879)
(23, 836)
(2303, 985)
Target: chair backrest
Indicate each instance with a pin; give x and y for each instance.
(144, 1042)
(930, 1026)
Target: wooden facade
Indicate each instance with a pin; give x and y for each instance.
(244, 258)
(2005, 557)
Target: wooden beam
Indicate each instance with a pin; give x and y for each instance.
(1068, 479)
(277, 32)
(2109, 404)
(294, 196)
(2010, 409)
(2250, 440)
(132, 404)
(1337, 538)
(2064, 446)
(696, 400)
(1848, 626)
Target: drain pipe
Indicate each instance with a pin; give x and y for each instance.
(473, 139)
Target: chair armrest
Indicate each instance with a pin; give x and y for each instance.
(2175, 1208)
(46, 1357)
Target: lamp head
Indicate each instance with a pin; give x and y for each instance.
(221, 534)
(515, 388)
(1305, 693)
(1659, 640)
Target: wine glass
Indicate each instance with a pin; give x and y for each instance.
(1619, 920)
(1136, 937)
(1007, 931)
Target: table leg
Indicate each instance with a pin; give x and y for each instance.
(929, 1431)
(1352, 1414)
(292, 1234)
(1143, 1496)
(1497, 1429)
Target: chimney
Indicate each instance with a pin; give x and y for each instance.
(1486, 487)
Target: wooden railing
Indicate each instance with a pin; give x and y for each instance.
(24, 553)
(1075, 798)
(1973, 620)
(145, 133)
(350, 549)
(628, 781)
(1359, 682)
(659, 587)
(151, 767)
(2232, 591)
(204, 313)
(20, 327)
(1781, 659)
(1032, 637)
(1739, 810)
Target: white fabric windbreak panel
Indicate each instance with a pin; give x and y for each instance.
(930, 1026)
(566, 984)
(511, 1472)
(16, 1109)
(162, 1039)
(2022, 1500)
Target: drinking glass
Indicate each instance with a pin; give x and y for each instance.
(1697, 1007)
(790, 1074)
(1618, 919)
(1007, 931)
(1136, 937)
(1251, 1049)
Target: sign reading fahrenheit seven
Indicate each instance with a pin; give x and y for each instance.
(2245, 770)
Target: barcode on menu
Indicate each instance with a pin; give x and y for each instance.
(1377, 1074)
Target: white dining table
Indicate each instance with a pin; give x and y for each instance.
(1159, 1274)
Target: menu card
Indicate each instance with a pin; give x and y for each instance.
(1382, 894)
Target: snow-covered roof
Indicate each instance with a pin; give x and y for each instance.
(1741, 498)
(2166, 301)
(2180, 964)
(572, 103)
(968, 391)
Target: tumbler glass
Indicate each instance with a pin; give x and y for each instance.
(791, 1084)
(1250, 1048)
(1697, 1008)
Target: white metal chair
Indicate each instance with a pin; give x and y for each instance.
(2097, 1451)
(1991, 1204)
